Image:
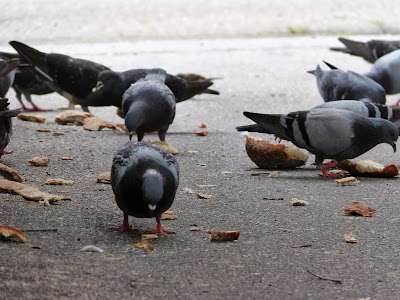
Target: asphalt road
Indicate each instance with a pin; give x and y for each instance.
(264, 74)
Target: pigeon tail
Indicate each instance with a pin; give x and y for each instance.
(358, 49)
(252, 128)
(156, 74)
(210, 91)
(193, 88)
(35, 57)
(6, 66)
(332, 67)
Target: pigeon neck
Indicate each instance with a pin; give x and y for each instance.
(379, 76)
(152, 188)
(133, 117)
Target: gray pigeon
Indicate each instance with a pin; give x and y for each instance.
(361, 107)
(149, 105)
(144, 179)
(6, 125)
(341, 85)
(329, 133)
(370, 51)
(386, 72)
(7, 74)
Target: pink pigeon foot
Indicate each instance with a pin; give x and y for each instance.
(125, 225)
(326, 174)
(160, 229)
(330, 164)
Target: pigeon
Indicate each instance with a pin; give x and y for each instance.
(149, 105)
(386, 72)
(7, 74)
(26, 83)
(71, 77)
(6, 125)
(370, 51)
(144, 179)
(340, 85)
(114, 84)
(329, 133)
(362, 107)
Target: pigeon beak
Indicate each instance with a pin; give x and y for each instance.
(130, 135)
(98, 86)
(394, 147)
(152, 207)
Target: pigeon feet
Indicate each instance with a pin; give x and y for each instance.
(326, 174)
(160, 229)
(330, 164)
(125, 226)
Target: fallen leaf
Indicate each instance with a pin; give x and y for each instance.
(67, 158)
(63, 192)
(202, 125)
(71, 116)
(58, 133)
(39, 161)
(201, 164)
(195, 228)
(149, 236)
(298, 202)
(58, 181)
(201, 133)
(9, 173)
(97, 124)
(349, 237)
(360, 209)
(43, 130)
(104, 177)
(203, 196)
(223, 236)
(166, 146)
(347, 181)
(9, 233)
(168, 215)
(143, 244)
(31, 118)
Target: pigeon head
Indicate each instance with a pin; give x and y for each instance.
(111, 82)
(152, 188)
(389, 133)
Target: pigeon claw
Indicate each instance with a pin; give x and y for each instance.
(330, 164)
(125, 226)
(160, 229)
(326, 174)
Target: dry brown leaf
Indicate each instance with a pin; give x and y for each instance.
(195, 228)
(347, 181)
(223, 236)
(8, 186)
(368, 168)
(43, 130)
(97, 124)
(360, 209)
(201, 133)
(58, 133)
(202, 125)
(67, 158)
(149, 236)
(144, 244)
(9, 173)
(104, 177)
(204, 196)
(350, 238)
(9, 233)
(31, 118)
(266, 155)
(166, 146)
(58, 181)
(39, 161)
(168, 215)
(71, 116)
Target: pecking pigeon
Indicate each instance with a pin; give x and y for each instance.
(6, 125)
(71, 77)
(329, 133)
(361, 107)
(7, 74)
(27, 83)
(149, 105)
(144, 179)
(370, 51)
(114, 84)
(340, 85)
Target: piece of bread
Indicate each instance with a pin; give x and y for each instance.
(266, 155)
(368, 168)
